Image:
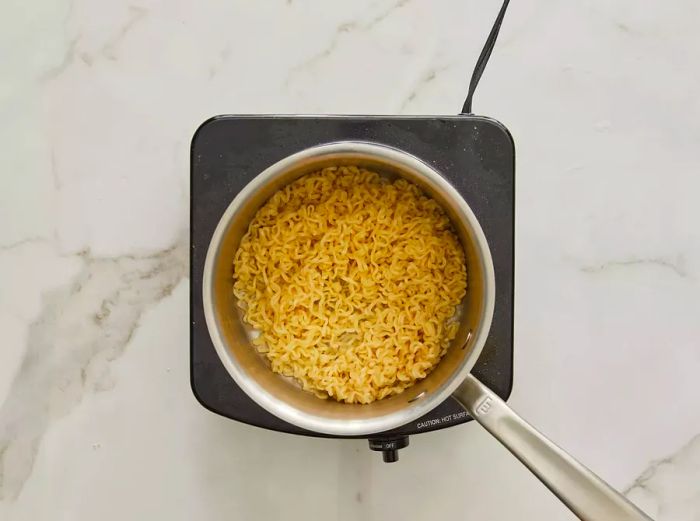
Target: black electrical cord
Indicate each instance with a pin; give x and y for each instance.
(484, 58)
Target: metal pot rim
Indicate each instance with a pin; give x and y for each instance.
(363, 426)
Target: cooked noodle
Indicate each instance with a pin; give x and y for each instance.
(352, 281)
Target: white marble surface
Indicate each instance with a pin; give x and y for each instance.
(98, 101)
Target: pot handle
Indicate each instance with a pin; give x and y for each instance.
(586, 495)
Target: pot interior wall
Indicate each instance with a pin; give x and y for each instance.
(233, 331)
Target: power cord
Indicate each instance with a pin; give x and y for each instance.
(484, 58)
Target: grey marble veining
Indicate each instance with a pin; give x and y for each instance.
(98, 104)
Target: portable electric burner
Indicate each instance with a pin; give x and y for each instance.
(476, 156)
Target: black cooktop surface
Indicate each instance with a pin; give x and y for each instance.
(474, 153)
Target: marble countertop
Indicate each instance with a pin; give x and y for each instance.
(98, 102)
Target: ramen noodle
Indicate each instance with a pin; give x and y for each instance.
(352, 281)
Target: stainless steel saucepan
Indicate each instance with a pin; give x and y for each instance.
(583, 492)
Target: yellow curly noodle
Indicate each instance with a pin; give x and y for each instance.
(353, 281)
